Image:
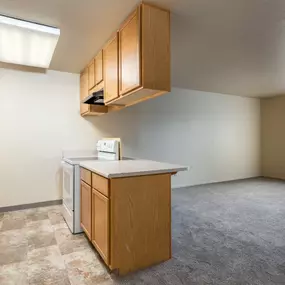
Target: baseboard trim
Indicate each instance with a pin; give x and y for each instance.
(30, 206)
(216, 182)
(273, 178)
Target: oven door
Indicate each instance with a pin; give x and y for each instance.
(68, 185)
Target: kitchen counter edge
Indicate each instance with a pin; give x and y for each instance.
(173, 169)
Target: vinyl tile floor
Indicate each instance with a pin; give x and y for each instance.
(230, 233)
(37, 248)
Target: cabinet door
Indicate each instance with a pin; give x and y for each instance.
(84, 91)
(111, 70)
(129, 49)
(91, 75)
(85, 208)
(99, 67)
(100, 224)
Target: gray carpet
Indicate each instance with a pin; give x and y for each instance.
(226, 233)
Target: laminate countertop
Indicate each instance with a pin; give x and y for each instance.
(127, 168)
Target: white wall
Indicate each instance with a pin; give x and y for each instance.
(38, 118)
(216, 135)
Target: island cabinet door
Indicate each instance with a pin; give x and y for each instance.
(85, 208)
(100, 224)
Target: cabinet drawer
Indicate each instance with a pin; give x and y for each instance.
(85, 175)
(100, 184)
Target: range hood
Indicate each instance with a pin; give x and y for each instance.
(96, 98)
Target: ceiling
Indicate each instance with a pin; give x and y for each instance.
(225, 46)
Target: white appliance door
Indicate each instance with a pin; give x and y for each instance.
(68, 185)
(68, 216)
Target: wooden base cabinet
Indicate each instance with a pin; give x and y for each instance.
(86, 208)
(100, 224)
(140, 221)
(131, 220)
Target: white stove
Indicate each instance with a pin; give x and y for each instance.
(107, 149)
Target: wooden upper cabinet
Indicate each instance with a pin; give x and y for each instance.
(91, 75)
(129, 49)
(136, 63)
(83, 91)
(95, 71)
(144, 56)
(111, 71)
(155, 45)
(98, 67)
(100, 224)
(85, 208)
(86, 109)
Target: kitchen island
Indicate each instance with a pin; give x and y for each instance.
(126, 211)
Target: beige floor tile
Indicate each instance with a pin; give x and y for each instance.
(13, 221)
(14, 274)
(55, 217)
(62, 225)
(69, 243)
(40, 234)
(15, 237)
(13, 246)
(74, 245)
(38, 224)
(46, 255)
(62, 233)
(84, 267)
(36, 214)
(46, 267)
(13, 254)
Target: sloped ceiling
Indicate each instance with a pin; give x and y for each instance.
(226, 46)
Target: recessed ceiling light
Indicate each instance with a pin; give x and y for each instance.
(27, 43)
